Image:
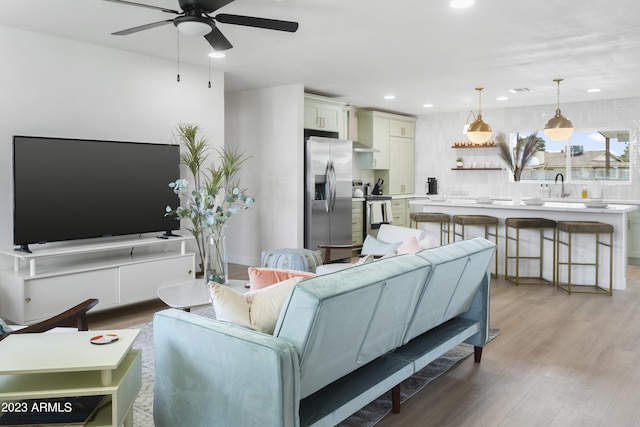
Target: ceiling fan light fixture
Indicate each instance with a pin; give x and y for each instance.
(193, 26)
(479, 131)
(558, 127)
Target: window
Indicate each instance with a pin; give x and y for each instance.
(585, 156)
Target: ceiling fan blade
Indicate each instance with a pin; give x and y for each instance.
(217, 40)
(141, 28)
(130, 3)
(207, 6)
(250, 21)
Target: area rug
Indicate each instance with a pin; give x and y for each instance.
(367, 416)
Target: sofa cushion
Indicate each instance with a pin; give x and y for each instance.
(263, 277)
(343, 320)
(456, 274)
(258, 310)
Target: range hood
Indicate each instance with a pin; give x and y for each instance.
(359, 147)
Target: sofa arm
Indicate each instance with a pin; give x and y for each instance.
(211, 373)
(479, 311)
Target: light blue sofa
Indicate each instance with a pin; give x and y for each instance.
(341, 340)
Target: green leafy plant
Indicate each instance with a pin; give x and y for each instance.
(216, 195)
(517, 157)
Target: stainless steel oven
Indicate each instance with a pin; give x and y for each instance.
(377, 212)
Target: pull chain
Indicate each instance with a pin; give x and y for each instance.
(178, 78)
(209, 67)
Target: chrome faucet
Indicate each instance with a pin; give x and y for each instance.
(562, 193)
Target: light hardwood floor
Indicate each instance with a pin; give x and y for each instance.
(560, 360)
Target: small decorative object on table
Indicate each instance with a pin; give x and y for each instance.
(216, 197)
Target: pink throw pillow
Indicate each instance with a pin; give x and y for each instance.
(409, 246)
(263, 277)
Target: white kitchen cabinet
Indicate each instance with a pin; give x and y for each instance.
(325, 114)
(633, 238)
(117, 272)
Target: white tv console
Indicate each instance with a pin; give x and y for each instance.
(117, 271)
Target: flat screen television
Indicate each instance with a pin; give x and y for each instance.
(68, 189)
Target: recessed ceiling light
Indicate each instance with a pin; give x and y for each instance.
(428, 105)
(501, 98)
(217, 55)
(389, 97)
(594, 90)
(461, 4)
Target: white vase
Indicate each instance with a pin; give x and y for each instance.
(517, 195)
(215, 261)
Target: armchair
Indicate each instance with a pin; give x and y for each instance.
(73, 317)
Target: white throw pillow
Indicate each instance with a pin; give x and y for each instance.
(373, 246)
(257, 310)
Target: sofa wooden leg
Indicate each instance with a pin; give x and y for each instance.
(477, 354)
(395, 399)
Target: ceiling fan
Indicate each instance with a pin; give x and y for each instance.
(194, 20)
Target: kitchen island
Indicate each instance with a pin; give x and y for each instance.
(614, 214)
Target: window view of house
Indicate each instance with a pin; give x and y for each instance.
(585, 156)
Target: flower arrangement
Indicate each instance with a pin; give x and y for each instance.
(517, 158)
(216, 195)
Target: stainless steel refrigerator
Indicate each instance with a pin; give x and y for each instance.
(328, 182)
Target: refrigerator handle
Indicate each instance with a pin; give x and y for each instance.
(327, 187)
(333, 186)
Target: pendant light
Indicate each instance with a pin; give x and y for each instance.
(558, 127)
(479, 131)
(465, 128)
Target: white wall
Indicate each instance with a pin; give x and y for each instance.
(267, 124)
(436, 133)
(56, 87)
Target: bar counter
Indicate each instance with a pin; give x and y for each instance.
(614, 214)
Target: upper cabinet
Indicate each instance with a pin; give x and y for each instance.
(325, 114)
(374, 132)
(393, 136)
(402, 128)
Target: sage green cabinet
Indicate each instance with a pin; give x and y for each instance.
(357, 222)
(373, 130)
(393, 136)
(325, 114)
(401, 165)
(399, 212)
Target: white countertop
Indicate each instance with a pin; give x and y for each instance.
(548, 205)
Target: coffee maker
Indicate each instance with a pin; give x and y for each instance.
(432, 186)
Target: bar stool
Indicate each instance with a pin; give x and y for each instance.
(540, 224)
(485, 221)
(426, 217)
(568, 229)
